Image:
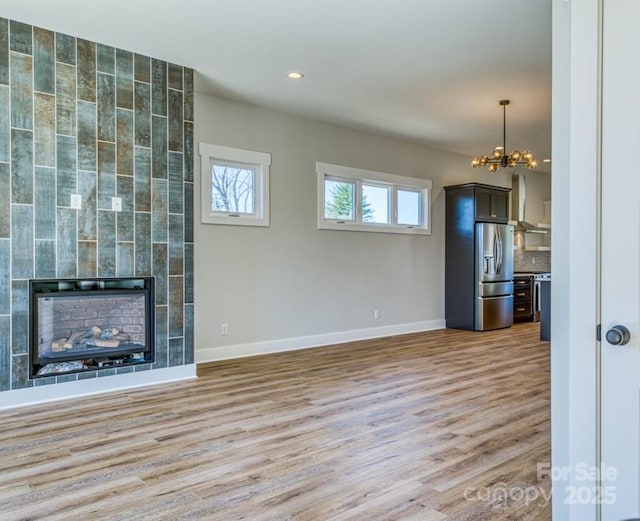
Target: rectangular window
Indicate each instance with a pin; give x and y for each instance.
(235, 186)
(362, 200)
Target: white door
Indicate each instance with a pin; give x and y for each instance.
(620, 289)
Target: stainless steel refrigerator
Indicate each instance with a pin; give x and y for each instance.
(478, 257)
(493, 276)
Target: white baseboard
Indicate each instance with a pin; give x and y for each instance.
(83, 388)
(213, 354)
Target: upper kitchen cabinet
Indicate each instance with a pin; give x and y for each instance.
(484, 202)
(492, 203)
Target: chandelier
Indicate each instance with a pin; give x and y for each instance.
(499, 156)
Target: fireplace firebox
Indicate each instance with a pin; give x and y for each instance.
(87, 324)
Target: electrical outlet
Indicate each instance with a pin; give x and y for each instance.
(76, 201)
(116, 204)
(376, 314)
(224, 329)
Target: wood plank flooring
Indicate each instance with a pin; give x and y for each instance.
(443, 425)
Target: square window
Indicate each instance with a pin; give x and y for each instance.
(232, 188)
(235, 186)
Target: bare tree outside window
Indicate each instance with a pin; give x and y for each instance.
(232, 189)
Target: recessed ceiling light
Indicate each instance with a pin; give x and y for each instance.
(295, 75)
(546, 160)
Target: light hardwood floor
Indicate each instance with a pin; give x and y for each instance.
(444, 425)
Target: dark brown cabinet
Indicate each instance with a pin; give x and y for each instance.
(492, 204)
(522, 288)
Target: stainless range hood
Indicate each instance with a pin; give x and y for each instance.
(518, 202)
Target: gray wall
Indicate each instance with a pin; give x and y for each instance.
(80, 117)
(293, 280)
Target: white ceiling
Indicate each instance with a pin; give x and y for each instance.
(431, 71)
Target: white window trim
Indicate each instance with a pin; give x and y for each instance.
(358, 175)
(260, 160)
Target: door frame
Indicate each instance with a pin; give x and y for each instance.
(575, 351)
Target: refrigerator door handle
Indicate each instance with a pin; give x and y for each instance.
(498, 240)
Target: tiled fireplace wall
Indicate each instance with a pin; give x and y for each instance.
(78, 117)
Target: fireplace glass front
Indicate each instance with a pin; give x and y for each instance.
(79, 325)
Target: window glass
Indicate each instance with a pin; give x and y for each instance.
(232, 188)
(339, 200)
(409, 207)
(375, 204)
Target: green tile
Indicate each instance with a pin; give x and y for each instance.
(124, 189)
(87, 216)
(189, 344)
(106, 108)
(160, 209)
(19, 316)
(161, 272)
(176, 244)
(21, 166)
(86, 70)
(5, 280)
(126, 259)
(142, 68)
(188, 212)
(21, 91)
(44, 61)
(87, 136)
(159, 87)
(5, 353)
(65, 99)
(188, 94)
(106, 174)
(142, 179)
(176, 184)
(125, 142)
(126, 230)
(22, 238)
(188, 273)
(20, 372)
(44, 129)
(176, 306)
(45, 259)
(106, 59)
(67, 246)
(65, 48)
(161, 336)
(4, 51)
(143, 244)
(5, 201)
(175, 76)
(159, 147)
(87, 259)
(107, 242)
(66, 183)
(142, 114)
(5, 124)
(21, 39)
(188, 151)
(176, 122)
(176, 351)
(45, 203)
(124, 79)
